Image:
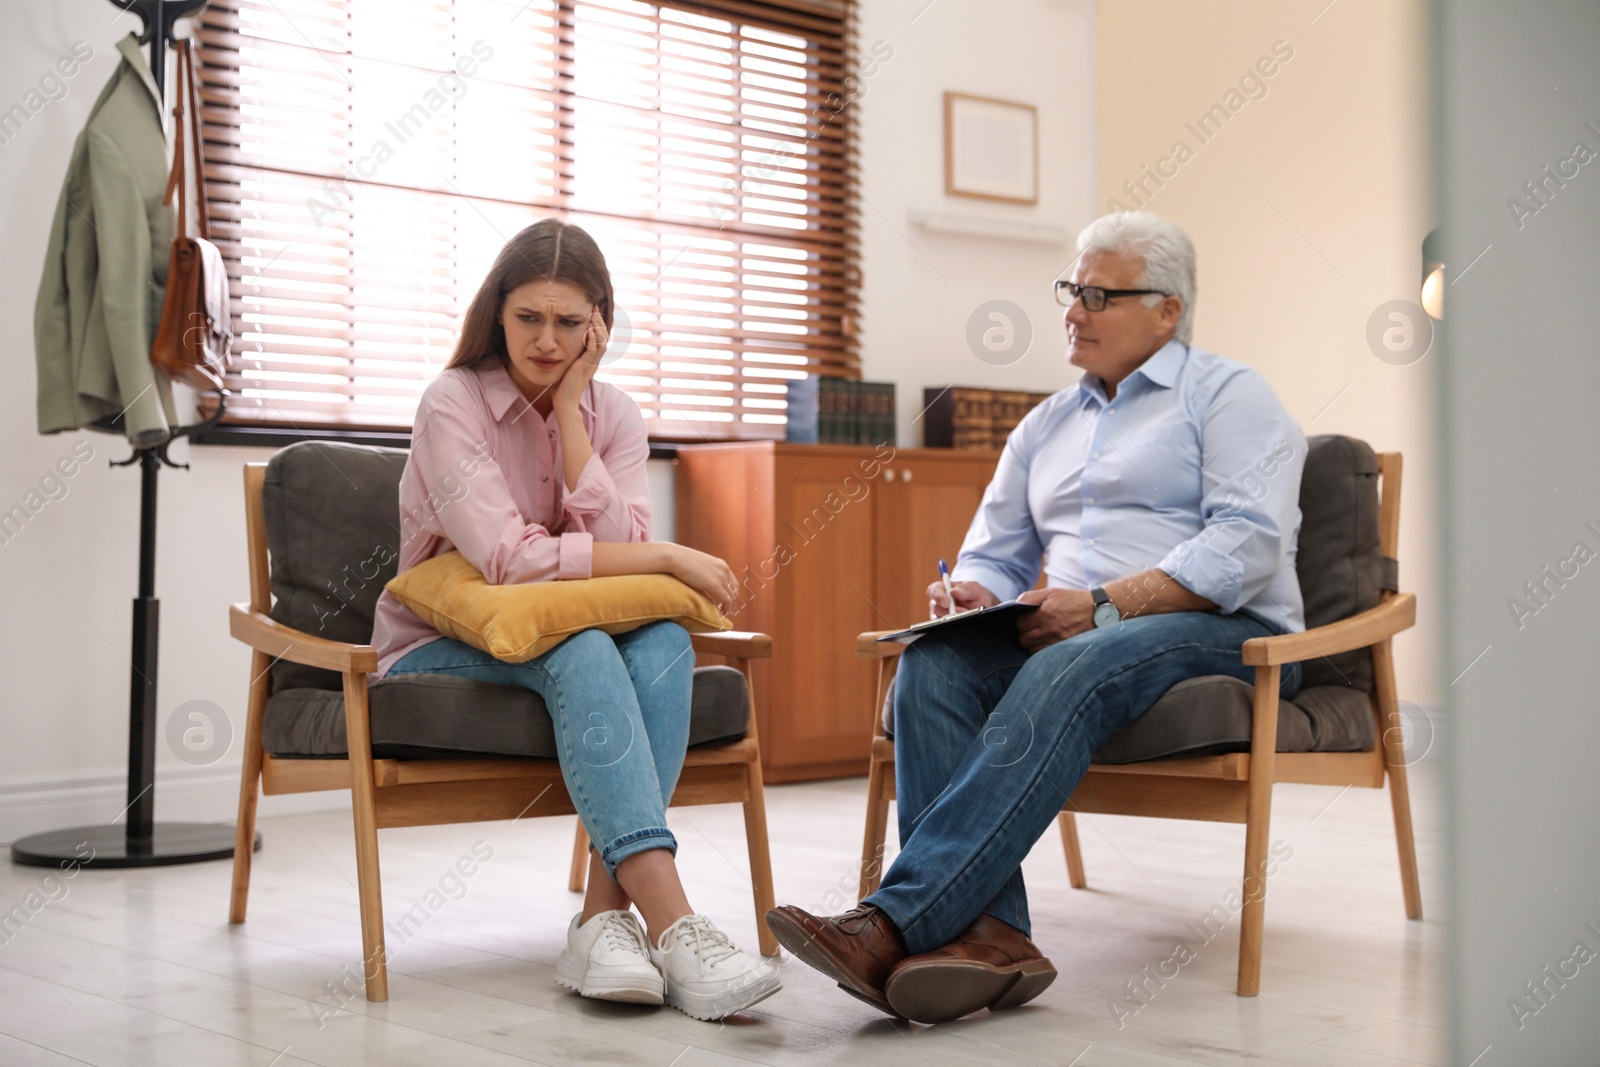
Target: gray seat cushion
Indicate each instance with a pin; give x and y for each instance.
(332, 514)
(1342, 572)
(1209, 715)
(419, 716)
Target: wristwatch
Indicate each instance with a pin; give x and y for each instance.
(1105, 612)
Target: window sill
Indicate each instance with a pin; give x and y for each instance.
(274, 437)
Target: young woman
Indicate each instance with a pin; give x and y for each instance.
(535, 473)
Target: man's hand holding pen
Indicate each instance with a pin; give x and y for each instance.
(968, 595)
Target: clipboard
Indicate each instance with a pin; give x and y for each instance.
(1009, 608)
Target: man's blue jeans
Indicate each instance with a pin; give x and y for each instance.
(620, 706)
(990, 741)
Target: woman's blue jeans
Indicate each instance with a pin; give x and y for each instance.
(620, 706)
(990, 742)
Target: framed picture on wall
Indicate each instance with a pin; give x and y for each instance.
(991, 149)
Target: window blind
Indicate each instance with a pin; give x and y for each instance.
(366, 159)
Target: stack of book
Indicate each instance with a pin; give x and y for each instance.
(840, 411)
(965, 417)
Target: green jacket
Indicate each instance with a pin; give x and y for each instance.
(105, 270)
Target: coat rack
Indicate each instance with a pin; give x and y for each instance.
(141, 842)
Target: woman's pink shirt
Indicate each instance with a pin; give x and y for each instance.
(485, 478)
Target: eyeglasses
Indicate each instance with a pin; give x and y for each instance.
(1094, 298)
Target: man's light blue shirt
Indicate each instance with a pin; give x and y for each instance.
(1194, 468)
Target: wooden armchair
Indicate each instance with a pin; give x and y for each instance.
(1232, 786)
(459, 786)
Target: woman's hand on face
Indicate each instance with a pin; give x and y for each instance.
(706, 573)
(580, 372)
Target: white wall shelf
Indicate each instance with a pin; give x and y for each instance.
(983, 226)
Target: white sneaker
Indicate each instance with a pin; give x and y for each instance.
(707, 977)
(608, 958)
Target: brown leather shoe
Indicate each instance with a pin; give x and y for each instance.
(990, 965)
(857, 949)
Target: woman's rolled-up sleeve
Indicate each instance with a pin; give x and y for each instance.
(612, 498)
(466, 497)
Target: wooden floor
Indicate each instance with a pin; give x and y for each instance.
(142, 967)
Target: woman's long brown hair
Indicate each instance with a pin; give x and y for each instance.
(549, 250)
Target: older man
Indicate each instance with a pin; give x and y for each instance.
(1160, 494)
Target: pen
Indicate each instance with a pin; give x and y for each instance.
(949, 591)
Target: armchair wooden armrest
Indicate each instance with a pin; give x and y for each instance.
(265, 634)
(867, 644)
(1363, 630)
(1397, 613)
(737, 644)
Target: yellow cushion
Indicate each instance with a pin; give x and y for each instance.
(515, 623)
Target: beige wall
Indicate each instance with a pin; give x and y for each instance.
(1308, 208)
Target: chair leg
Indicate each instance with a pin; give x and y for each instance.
(579, 878)
(876, 827)
(1394, 757)
(358, 732)
(1069, 844)
(1400, 801)
(244, 841)
(1253, 917)
(1405, 840)
(755, 835)
(1257, 826)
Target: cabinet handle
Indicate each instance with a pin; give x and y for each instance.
(888, 474)
(905, 475)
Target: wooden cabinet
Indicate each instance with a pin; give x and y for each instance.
(827, 541)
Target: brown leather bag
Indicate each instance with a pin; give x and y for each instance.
(195, 335)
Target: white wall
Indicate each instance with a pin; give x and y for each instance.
(69, 577)
(921, 287)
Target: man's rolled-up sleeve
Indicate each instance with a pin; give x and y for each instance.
(1252, 456)
(1002, 551)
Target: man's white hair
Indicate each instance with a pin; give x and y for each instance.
(1167, 251)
